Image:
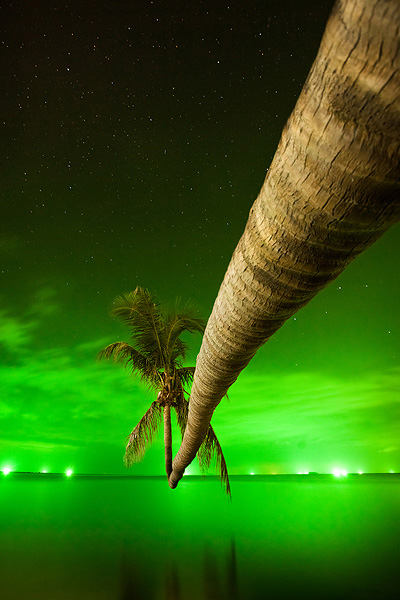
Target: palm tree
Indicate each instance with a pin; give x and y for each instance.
(331, 191)
(156, 355)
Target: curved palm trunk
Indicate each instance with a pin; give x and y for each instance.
(331, 191)
(168, 439)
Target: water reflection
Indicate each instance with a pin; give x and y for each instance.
(81, 538)
(232, 572)
(220, 582)
(214, 579)
(135, 581)
(172, 584)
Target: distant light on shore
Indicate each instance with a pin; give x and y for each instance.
(7, 470)
(339, 473)
(69, 472)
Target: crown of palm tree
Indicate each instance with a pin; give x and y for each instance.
(155, 334)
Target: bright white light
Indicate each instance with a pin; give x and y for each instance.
(7, 470)
(43, 471)
(69, 472)
(360, 472)
(391, 471)
(339, 473)
(251, 473)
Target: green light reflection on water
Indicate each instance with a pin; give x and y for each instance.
(99, 536)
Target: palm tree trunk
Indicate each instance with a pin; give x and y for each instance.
(168, 439)
(331, 191)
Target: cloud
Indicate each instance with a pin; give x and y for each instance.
(18, 331)
(64, 393)
(15, 333)
(61, 395)
(44, 303)
(313, 406)
(389, 450)
(36, 445)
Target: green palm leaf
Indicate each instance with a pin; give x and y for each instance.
(143, 315)
(210, 448)
(177, 321)
(182, 409)
(185, 375)
(143, 435)
(134, 361)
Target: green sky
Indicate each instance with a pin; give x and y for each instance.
(135, 142)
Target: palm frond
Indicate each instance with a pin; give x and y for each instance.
(178, 352)
(134, 361)
(143, 315)
(210, 448)
(182, 409)
(185, 374)
(178, 320)
(143, 435)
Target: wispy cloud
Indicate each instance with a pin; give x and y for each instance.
(66, 396)
(15, 333)
(313, 406)
(58, 394)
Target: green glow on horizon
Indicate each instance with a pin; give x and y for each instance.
(7, 470)
(69, 472)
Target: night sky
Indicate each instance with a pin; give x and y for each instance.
(135, 137)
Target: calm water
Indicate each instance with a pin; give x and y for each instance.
(114, 538)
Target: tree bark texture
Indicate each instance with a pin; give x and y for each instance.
(168, 439)
(331, 191)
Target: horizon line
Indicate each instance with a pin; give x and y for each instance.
(200, 476)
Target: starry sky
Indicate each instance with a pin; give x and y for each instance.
(135, 137)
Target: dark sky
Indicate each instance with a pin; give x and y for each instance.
(135, 137)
